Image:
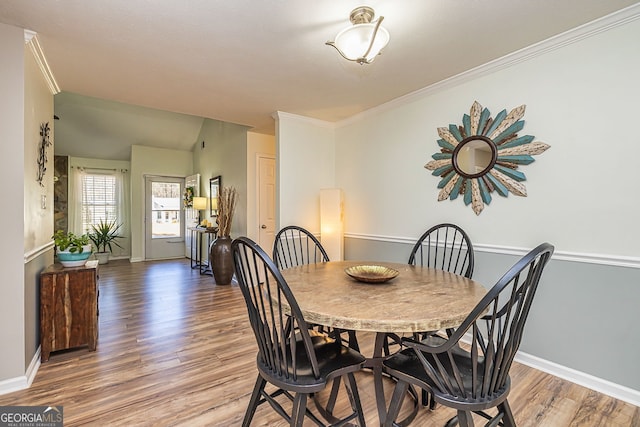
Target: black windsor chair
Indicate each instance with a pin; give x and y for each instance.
(294, 246)
(476, 379)
(446, 247)
(289, 358)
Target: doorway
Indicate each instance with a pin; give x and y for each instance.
(191, 215)
(266, 200)
(164, 217)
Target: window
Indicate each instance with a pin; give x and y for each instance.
(99, 194)
(99, 199)
(166, 200)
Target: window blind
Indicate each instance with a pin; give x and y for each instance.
(99, 201)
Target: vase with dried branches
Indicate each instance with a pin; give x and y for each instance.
(226, 209)
(220, 256)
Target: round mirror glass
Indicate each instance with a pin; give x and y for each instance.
(474, 156)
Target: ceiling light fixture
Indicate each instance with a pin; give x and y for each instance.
(363, 41)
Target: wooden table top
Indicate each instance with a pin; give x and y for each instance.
(418, 299)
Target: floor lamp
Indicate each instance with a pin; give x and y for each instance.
(331, 222)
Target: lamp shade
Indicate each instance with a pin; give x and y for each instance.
(354, 42)
(199, 203)
(363, 41)
(332, 222)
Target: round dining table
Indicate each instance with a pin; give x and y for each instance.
(418, 299)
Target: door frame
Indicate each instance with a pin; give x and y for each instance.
(149, 178)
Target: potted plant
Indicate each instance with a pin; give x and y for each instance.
(103, 236)
(220, 257)
(71, 250)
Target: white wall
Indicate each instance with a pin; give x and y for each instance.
(581, 96)
(38, 221)
(305, 164)
(151, 161)
(581, 100)
(225, 154)
(26, 247)
(38, 213)
(12, 135)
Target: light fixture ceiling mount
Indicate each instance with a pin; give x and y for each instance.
(363, 41)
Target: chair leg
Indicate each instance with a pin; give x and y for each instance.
(353, 340)
(385, 346)
(425, 398)
(354, 397)
(299, 410)
(507, 419)
(465, 419)
(452, 422)
(428, 400)
(254, 401)
(396, 402)
(333, 396)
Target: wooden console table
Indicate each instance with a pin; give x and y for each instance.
(68, 308)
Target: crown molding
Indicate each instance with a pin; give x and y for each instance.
(31, 39)
(574, 35)
(316, 122)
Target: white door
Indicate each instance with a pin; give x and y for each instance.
(266, 202)
(164, 216)
(190, 215)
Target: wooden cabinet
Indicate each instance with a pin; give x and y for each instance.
(68, 308)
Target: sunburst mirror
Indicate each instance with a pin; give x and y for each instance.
(482, 156)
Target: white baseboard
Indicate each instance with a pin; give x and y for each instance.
(24, 381)
(616, 391)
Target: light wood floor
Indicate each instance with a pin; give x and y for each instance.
(174, 349)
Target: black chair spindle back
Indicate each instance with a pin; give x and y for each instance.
(476, 378)
(294, 246)
(446, 247)
(265, 290)
(288, 357)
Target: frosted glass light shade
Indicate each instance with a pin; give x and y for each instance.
(354, 41)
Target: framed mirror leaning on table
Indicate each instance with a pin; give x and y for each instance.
(215, 184)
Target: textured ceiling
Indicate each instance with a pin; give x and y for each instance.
(240, 61)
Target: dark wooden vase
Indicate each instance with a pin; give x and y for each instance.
(221, 260)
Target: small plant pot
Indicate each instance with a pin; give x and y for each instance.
(102, 257)
(74, 259)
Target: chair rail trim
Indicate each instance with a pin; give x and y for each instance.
(587, 258)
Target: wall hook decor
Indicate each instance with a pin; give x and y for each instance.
(45, 142)
(482, 156)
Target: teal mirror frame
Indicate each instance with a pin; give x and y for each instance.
(509, 152)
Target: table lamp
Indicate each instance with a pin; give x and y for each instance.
(199, 204)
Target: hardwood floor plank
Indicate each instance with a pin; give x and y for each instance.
(174, 349)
